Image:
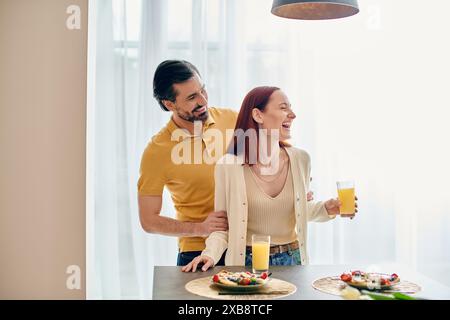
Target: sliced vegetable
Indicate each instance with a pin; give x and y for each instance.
(346, 277)
(377, 296)
(402, 296)
(394, 277)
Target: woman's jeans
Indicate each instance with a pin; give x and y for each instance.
(288, 258)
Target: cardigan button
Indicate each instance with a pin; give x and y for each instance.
(243, 204)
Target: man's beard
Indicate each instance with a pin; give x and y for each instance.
(191, 117)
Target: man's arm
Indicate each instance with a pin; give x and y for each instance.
(153, 222)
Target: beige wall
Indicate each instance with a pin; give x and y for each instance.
(42, 148)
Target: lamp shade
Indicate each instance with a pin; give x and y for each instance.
(314, 9)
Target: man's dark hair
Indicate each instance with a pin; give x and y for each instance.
(167, 74)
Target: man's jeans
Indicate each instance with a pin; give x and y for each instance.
(288, 258)
(185, 257)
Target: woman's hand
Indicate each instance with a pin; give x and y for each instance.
(207, 263)
(333, 205)
(310, 196)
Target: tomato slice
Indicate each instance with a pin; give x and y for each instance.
(346, 277)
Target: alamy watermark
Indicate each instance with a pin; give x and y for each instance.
(73, 22)
(259, 143)
(73, 281)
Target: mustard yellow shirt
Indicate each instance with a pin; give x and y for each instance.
(184, 164)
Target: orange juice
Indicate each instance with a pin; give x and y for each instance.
(347, 197)
(260, 256)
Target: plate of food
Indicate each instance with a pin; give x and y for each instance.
(370, 280)
(240, 281)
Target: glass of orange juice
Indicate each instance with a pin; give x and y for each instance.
(346, 194)
(260, 253)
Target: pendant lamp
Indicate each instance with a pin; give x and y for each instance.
(314, 9)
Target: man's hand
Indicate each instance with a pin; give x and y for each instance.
(153, 222)
(207, 263)
(333, 205)
(216, 221)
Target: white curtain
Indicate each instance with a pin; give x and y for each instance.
(370, 96)
(123, 117)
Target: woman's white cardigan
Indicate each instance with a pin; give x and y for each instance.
(231, 196)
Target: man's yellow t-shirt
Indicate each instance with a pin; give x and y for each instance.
(184, 164)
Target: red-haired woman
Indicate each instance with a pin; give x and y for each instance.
(262, 184)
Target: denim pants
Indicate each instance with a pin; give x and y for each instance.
(288, 258)
(185, 257)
